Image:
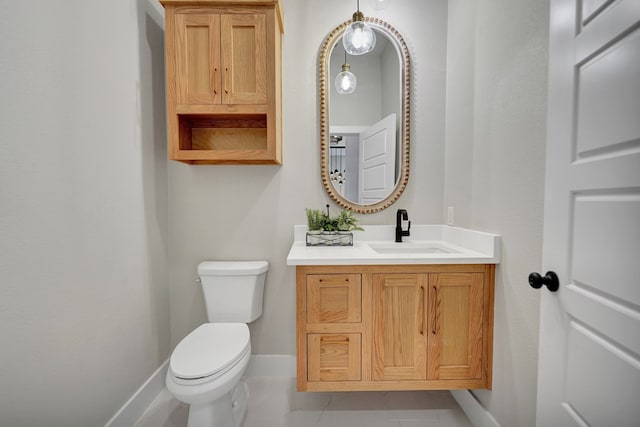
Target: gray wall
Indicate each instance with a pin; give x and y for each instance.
(84, 290)
(100, 235)
(495, 146)
(248, 212)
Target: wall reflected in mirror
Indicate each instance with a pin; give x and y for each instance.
(364, 125)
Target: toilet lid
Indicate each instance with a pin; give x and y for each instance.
(210, 348)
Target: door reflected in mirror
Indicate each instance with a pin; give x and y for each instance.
(364, 160)
(365, 134)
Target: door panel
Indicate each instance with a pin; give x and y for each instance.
(198, 59)
(589, 358)
(593, 361)
(377, 151)
(399, 324)
(334, 298)
(455, 326)
(334, 357)
(244, 59)
(605, 104)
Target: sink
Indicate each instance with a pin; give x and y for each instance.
(408, 248)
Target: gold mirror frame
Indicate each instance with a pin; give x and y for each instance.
(325, 55)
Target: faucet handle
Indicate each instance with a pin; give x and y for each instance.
(409, 226)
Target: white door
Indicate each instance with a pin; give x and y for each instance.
(589, 360)
(377, 161)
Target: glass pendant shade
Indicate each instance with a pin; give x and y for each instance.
(359, 38)
(346, 81)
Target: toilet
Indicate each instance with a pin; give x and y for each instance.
(206, 366)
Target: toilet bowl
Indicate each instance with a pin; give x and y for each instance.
(206, 367)
(204, 370)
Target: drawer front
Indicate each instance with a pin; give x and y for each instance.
(334, 298)
(334, 357)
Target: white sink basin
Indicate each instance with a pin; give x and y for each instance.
(407, 248)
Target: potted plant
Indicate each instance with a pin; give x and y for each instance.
(324, 230)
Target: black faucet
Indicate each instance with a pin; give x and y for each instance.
(401, 214)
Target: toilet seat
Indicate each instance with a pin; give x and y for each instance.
(209, 351)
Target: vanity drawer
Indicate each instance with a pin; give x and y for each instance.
(334, 357)
(334, 298)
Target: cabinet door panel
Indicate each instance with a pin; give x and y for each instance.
(334, 357)
(399, 344)
(198, 59)
(334, 298)
(244, 59)
(455, 326)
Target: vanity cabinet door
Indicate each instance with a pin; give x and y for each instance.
(455, 326)
(334, 298)
(399, 350)
(334, 357)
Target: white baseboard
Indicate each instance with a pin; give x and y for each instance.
(268, 365)
(260, 365)
(141, 399)
(474, 410)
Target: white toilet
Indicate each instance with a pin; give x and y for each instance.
(206, 366)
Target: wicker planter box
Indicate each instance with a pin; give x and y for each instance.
(329, 238)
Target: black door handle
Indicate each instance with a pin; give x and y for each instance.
(550, 280)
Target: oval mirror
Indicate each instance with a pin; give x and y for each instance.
(364, 135)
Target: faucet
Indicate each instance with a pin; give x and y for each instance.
(401, 214)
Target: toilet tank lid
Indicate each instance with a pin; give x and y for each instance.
(232, 268)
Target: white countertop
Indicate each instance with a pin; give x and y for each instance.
(451, 245)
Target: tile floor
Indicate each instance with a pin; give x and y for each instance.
(274, 402)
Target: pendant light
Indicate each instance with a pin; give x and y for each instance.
(346, 81)
(359, 38)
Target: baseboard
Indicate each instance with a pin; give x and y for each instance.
(260, 365)
(141, 399)
(474, 410)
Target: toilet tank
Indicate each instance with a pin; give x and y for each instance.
(233, 290)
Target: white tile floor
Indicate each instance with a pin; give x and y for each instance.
(274, 402)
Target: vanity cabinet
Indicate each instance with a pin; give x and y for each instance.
(394, 327)
(224, 81)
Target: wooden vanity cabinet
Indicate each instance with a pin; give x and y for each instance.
(224, 81)
(394, 327)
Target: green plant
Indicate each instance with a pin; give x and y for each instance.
(315, 219)
(318, 220)
(347, 222)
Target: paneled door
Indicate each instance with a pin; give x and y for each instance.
(377, 166)
(589, 362)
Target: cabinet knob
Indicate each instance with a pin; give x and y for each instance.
(550, 280)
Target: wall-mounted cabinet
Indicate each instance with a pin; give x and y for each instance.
(394, 327)
(224, 98)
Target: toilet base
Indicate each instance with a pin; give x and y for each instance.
(227, 411)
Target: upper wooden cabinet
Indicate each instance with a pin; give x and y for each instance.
(224, 81)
